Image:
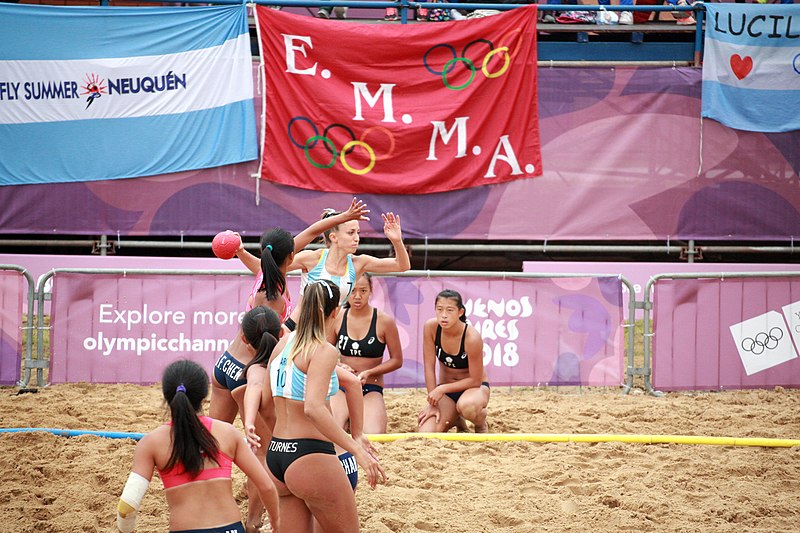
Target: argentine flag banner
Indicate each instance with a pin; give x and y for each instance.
(99, 93)
(751, 66)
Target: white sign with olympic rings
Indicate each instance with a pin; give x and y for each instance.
(763, 342)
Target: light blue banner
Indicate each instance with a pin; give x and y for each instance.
(56, 32)
(751, 67)
(98, 93)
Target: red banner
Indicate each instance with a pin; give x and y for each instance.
(400, 109)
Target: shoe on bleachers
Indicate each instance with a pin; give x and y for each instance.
(340, 12)
(323, 14)
(391, 14)
(480, 13)
(422, 13)
(625, 18)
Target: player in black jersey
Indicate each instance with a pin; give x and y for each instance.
(462, 388)
(362, 335)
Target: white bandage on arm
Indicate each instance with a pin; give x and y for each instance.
(130, 501)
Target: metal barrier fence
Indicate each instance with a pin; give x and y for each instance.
(567, 309)
(744, 314)
(760, 314)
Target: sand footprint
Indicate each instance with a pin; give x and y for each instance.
(569, 507)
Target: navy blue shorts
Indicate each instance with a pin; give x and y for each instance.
(229, 372)
(350, 468)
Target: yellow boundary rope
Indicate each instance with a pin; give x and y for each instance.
(591, 437)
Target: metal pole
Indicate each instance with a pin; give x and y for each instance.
(631, 326)
(29, 327)
(700, 15)
(648, 335)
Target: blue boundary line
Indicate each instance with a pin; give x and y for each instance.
(76, 432)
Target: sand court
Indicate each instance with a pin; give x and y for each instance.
(58, 484)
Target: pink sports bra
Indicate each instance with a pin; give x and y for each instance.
(287, 301)
(176, 476)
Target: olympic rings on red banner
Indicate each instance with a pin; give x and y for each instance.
(431, 49)
(450, 64)
(366, 147)
(453, 61)
(476, 41)
(345, 150)
(345, 128)
(388, 133)
(515, 52)
(327, 142)
(289, 131)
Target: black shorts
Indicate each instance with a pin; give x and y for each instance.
(283, 452)
(236, 527)
(456, 395)
(371, 387)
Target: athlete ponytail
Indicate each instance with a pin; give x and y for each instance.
(326, 235)
(276, 245)
(261, 328)
(450, 294)
(320, 300)
(185, 386)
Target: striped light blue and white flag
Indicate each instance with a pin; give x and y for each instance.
(751, 66)
(96, 93)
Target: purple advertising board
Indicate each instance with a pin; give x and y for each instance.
(113, 328)
(732, 333)
(620, 154)
(12, 291)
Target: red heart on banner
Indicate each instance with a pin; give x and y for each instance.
(741, 66)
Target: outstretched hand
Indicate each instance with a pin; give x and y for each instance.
(252, 438)
(357, 210)
(369, 464)
(391, 226)
(366, 444)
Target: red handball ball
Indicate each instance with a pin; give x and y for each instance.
(225, 244)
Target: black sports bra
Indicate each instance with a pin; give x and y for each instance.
(369, 346)
(452, 361)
